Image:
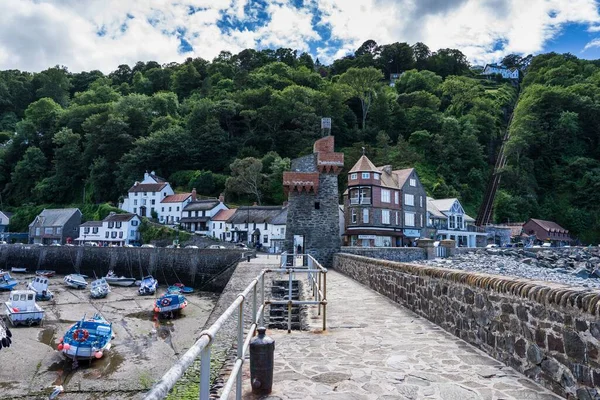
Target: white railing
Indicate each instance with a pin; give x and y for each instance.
(317, 277)
(362, 200)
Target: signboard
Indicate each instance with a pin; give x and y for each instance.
(367, 237)
(325, 123)
(412, 233)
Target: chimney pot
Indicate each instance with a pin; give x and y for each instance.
(222, 198)
(194, 194)
(255, 204)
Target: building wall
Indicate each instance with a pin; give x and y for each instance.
(402, 254)
(550, 333)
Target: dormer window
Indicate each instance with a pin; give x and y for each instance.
(354, 176)
(366, 175)
(413, 182)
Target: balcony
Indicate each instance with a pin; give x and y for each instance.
(363, 200)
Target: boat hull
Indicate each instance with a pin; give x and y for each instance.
(45, 272)
(121, 282)
(75, 283)
(28, 318)
(18, 270)
(8, 286)
(84, 352)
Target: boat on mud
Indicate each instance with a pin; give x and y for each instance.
(45, 272)
(170, 303)
(148, 285)
(100, 289)
(39, 285)
(21, 308)
(115, 280)
(18, 270)
(76, 281)
(87, 339)
(6, 281)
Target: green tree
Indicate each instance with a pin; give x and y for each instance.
(246, 178)
(28, 171)
(362, 84)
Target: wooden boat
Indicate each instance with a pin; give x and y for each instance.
(76, 281)
(87, 338)
(39, 285)
(6, 281)
(19, 270)
(148, 285)
(170, 303)
(100, 289)
(45, 272)
(115, 280)
(22, 309)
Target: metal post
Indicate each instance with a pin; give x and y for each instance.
(240, 351)
(290, 304)
(262, 295)
(319, 277)
(325, 299)
(254, 299)
(205, 373)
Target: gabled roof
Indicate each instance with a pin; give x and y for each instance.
(364, 165)
(224, 215)
(255, 214)
(56, 216)
(281, 219)
(548, 225)
(157, 178)
(442, 204)
(147, 187)
(91, 223)
(200, 205)
(176, 198)
(433, 210)
(402, 175)
(7, 213)
(119, 217)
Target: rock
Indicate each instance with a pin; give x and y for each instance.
(581, 273)
(527, 261)
(534, 354)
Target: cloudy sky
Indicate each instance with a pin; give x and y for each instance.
(101, 34)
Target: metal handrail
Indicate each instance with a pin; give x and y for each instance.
(317, 276)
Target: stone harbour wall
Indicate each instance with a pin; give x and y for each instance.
(199, 268)
(401, 254)
(549, 332)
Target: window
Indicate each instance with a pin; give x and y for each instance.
(177, 219)
(162, 209)
(397, 218)
(383, 241)
(421, 218)
(385, 196)
(135, 202)
(376, 177)
(451, 222)
(360, 196)
(165, 194)
(409, 219)
(145, 194)
(282, 231)
(134, 223)
(195, 213)
(119, 224)
(221, 225)
(132, 234)
(169, 209)
(246, 224)
(396, 197)
(135, 194)
(365, 213)
(134, 210)
(266, 226)
(421, 202)
(254, 226)
(366, 175)
(459, 221)
(95, 229)
(48, 231)
(86, 230)
(385, 216)
(111, 225)
(353, 216)
(121, 235)
(228, 234)
(413, 182)
(354, 176)
(317, 205)
(266, 239)
(107, 234)
(177, 208)
(37, 231)
(113, 235)
(409, 199)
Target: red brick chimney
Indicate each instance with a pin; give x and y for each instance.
(194, 194)
(254, 204)
(222, 198)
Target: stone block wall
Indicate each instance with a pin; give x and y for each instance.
(401, 254)
(549, 332)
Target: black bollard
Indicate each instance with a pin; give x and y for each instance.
(262, 349)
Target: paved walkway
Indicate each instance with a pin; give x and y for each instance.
(376, 349)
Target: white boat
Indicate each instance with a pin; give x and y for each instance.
(148, 285)
(76, 281)
(22, 309)
(87, 339)
(19, 270)
(115, 280)
(39, 285)
(100, 288)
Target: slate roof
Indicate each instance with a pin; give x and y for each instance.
(176, 198)
(549, 225)
(55, 216)
(258, 214)
(433, 210)
(224, 215)
(7, 213)
(147, 187)
(402, 175)
(119, 217)
(157, 178)
(281, 219)
(364, 165)
(92, 223)
(442, 204)
(200, 205)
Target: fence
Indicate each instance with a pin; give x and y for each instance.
(317, 278)
(441, 252)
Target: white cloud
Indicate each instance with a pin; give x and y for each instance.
(37, 34)
(591, 44)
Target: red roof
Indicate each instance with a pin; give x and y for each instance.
(549, 226)
(224, 215)
(176, 198)
(147, 187)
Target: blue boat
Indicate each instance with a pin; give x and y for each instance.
(173, 289)
(170, 303)
(87, 339)
(148, 285)
(6, 281)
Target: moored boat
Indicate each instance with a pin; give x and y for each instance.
(39, 285)
(22, 309)
(100, 288)
(87, 338)
(148, 285)
(45, 272)
(76, 281)
(173, 289)
(6, 281)
(170, 303)
(18, 270)
(115, 280)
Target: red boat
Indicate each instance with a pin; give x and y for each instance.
(45, 272)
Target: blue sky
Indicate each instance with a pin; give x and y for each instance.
(101, 34)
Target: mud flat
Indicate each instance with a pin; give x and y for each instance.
(143, 349)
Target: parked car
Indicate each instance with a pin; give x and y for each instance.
(216, 246)
(147, 245)
(491, 246)
(191, 246)
(546, 244)
(55, 244)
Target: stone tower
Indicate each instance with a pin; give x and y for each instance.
(313, 211)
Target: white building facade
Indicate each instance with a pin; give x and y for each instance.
(507, 73)
(450, 221)
(114, 230)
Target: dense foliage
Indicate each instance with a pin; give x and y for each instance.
(553, 169)
(233, 124)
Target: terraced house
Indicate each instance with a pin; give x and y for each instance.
(383, 207)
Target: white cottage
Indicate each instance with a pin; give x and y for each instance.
(144, 197)
(114, 230)
(507, 73)
(450, 221)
